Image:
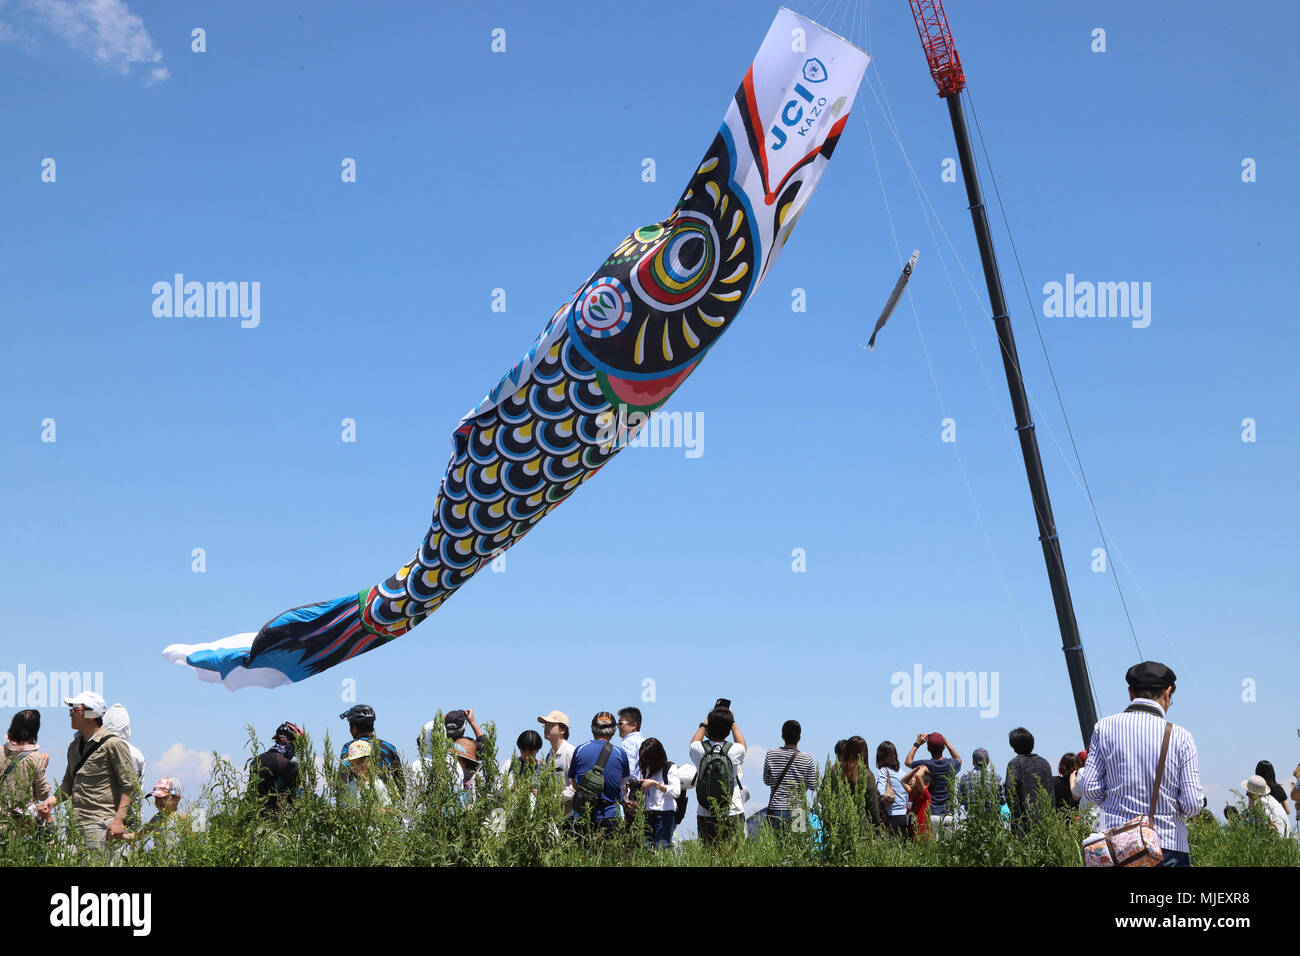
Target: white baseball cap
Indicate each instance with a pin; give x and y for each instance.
(93, 703)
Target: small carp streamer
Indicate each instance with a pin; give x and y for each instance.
(622, 344)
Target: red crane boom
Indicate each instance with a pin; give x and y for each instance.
(940, 51)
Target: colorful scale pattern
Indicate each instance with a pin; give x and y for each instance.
(629, 336)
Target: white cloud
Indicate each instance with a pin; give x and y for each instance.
(105, 29)
(191, 766)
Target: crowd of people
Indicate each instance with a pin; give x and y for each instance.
(1138, 763)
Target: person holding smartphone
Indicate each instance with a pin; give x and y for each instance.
(715, 784)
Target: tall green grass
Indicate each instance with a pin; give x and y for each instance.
(506, 827)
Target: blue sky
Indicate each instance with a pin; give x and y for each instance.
(520, 170)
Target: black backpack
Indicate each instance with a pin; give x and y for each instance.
(587, 795)
(715, 783)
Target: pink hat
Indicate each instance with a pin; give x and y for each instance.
(166, 787)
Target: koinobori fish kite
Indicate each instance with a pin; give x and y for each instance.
(894, 296)
(629, 336)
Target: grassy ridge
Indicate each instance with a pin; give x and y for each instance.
(507, 827)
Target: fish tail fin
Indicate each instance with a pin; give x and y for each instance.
(292, 646)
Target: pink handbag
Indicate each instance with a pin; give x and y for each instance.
(1133, 843)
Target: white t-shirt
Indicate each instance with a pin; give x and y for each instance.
(415, 775)
(737, 755)
(656, 799)
(1276, 816)
(563, 754)
(353, 792)
(137, 762)
(506, 779)
(421, 774)
(1076, 790)
(465, 787)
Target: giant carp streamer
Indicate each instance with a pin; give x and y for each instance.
(629, 336)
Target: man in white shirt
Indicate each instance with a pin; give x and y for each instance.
(1124, 755)
(712, 738)
(555, 728)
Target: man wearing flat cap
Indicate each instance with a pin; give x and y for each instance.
(1123, 757)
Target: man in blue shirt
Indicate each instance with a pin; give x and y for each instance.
(943, 772)
(597, 811)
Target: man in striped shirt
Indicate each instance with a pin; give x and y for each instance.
(801, 769)
(1123, 756)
